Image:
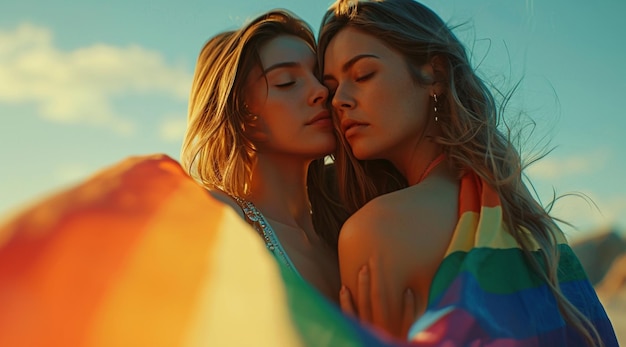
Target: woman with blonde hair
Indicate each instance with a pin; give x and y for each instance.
(481, 261)
(258, 131)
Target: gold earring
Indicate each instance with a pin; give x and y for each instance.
(436, 107)
(249, 115)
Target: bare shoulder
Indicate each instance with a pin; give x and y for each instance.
(408, 231)
(226, 199)
(417, 214)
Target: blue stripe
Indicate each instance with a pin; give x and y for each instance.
(522, 314)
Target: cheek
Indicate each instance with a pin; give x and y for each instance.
(275, 107)
(415, 96)
(283, 116)
(406, 107)
(391, 99)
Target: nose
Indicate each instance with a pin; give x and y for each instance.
(320, 93)
(342, 100)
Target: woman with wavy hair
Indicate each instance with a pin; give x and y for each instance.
(258, 131)
(480, 261)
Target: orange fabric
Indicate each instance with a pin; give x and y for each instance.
(108, 231)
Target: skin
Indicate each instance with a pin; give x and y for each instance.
(377, 95)
(287, 96)
(395, 241)
(291, 127)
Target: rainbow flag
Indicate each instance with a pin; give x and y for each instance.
(140, 255)
(486, 294)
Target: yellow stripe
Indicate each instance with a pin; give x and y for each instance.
(463, 237)
(491, 232)
(244, 303)
(487, 230)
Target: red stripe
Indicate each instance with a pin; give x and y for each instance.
(62, 255)
(475, 194)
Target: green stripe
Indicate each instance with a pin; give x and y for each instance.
(502, 271)
(318, 322)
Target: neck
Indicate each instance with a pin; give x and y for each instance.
(279, 190)
(414, 163)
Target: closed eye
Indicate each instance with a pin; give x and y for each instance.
(285, 85)
(364, 77)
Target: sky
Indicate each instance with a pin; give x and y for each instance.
(86, 84)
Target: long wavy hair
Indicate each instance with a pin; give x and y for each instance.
(470, 121)
(216, 150)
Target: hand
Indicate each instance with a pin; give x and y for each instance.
(371, 306)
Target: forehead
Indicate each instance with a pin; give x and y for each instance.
(285, 48)
(350, 42)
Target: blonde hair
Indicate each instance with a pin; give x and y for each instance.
(216, 151)
(469, 121)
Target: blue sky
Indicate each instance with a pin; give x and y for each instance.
(86, 84)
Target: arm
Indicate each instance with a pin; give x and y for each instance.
(375, 278)
(402, 241)
(367, 279)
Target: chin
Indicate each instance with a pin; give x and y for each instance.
(362, 153)
(328, 146)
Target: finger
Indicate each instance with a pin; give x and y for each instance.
(378, 297)
(363, 295)
(409, 311)
(345, 301)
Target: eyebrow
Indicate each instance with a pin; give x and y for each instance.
(280, 65)
(353, 61)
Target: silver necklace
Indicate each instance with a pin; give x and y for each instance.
(260, 224)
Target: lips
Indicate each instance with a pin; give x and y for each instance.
(320, 117)
(349, 126)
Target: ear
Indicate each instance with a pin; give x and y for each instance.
(254, 128)
(437, 68)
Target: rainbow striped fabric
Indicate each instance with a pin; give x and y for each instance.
(140, 255)
(486, 294)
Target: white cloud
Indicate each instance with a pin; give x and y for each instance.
(173, 129)
(78, 86)
(552, 168)
(589, 214)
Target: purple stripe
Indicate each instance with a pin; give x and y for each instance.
(459, 328)
(522, 314)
